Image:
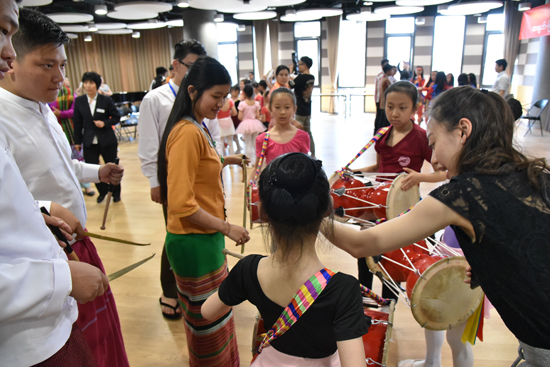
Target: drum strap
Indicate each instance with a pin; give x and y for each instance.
(302, 300)
(374, 139)
(262, 157)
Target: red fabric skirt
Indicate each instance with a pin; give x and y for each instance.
(98, 319)
(75, 353)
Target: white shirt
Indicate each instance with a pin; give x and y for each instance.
(92, 103)
(153, 116)
(36, 311)
(502, 83)
(376, 89)
(42, 153)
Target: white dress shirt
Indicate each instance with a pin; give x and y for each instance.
(153, 116)
(92, 102)
(36, 311)
(502, 83)
(42, 153)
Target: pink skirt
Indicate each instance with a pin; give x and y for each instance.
(271, 357)
(250, 126)
(226, 127)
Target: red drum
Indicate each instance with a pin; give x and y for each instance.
(400, 273)
(253, 208)
(376, 341)
(422, 263)
(348, 201)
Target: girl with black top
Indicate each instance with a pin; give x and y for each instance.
(498, 204)
(294, 196)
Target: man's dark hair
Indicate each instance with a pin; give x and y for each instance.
(255, 85)
(307, 60)
(503, 63)
(161, 70)
(251, 72)
(186, 47)
(93, 77)
(263, 83)
(462, 79)
(236, 88)
(171, 67)
(384, 62)
(387, 68)
(36, 30)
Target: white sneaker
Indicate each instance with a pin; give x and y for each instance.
(411, 363)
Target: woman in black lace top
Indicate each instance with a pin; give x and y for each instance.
(497, 201)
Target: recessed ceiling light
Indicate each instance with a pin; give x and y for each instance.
(421, 2)
(258, 15)
(132, 15)
(102, 26)
(101, 9)
(182, 4)
(72, 36)
(218, 18)
(367, 15)
(241, 28)
(92, 27)
(74, 28)
(524, 6)
(368, 3)
(144, 6)
(398, 10)
(175, 23)
(136, 35)
(115, 31)
(482, 19)
(71, 17)
(29, 3)
(420, 21)
(470, 7)
(88, 38)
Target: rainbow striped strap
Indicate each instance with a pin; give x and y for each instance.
(302, 300)
(262, 155)
(376, 298)
(374, 139)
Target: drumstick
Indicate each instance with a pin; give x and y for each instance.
(245, 191)
(109, 195)
(57, 232)
(230, 253)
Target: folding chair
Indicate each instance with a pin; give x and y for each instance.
(532, 117)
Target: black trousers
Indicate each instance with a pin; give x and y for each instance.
(167, 278)
(366, 277)
(380, 120)
(109, 154)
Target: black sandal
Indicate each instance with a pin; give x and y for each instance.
(174, 316)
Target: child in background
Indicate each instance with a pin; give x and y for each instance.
(419, 81)
(283, 136)
(438, 87)
(227, 129)
(235, 91)
(258, 95)
(265, 116)
(250, 126)
(294, 196)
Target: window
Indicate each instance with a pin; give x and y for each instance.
(227, 49)
(351, 56)
(448, 44)
(494, 48)
(399, 41)
(307, 35)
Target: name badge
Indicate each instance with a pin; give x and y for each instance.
(101, 110)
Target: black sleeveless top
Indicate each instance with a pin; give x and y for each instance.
(511, 253)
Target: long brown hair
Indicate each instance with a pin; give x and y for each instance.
(490, 148)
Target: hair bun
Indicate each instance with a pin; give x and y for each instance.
(306, 208)
(281, 205)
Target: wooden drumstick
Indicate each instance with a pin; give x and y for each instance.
(230, 253)
(109, 195)
(245, 191)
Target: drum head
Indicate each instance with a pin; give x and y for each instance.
(398, 200)
(440, 299)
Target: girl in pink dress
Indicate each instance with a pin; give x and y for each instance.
(249, 114)
(283, 137)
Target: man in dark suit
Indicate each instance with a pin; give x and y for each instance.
(94, 118)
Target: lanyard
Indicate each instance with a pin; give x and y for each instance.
(172, 88)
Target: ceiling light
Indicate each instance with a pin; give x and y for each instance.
(101, 9)
(290, 12)
(470, 7)
(175, 23)
(241, 28)
(92, 27)
(71, 17)
(218, 18)
(72, 36)
(28, 3)
(380, 1)
(102, 26)
(398, 10)
(258, 15)
(88, 38)
(368, 3)
(74, 28)
(144, 6)
(421, 2)
(132, 15)
(151, 24)
(183, 3)
(366, 15)
(482, 19)
(115, 31)
(420, 21)
(311, 14)
(524, 6)
(135, 35)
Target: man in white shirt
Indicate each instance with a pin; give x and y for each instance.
(31, 132)
(38, 285)
(377, 91)
(502, 84)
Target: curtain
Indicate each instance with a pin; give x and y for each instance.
(333, 33)
(126, 64)
(260, 34)
(274, 40)
(512, 25)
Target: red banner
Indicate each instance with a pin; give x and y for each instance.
(535, 22)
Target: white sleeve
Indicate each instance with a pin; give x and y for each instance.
(214, 128)
(86, 172)
(149, 141)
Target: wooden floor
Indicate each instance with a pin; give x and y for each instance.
(152, 341)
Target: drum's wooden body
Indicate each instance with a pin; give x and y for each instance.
(253, 207)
